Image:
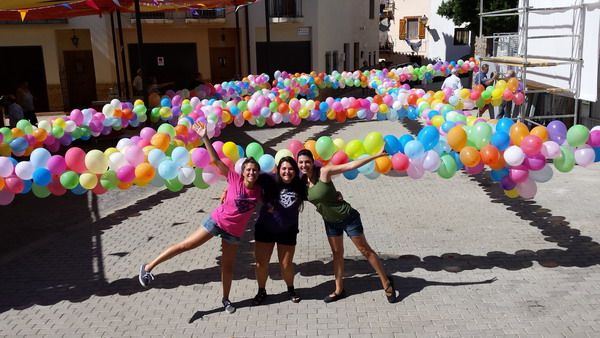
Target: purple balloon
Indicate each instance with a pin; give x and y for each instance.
(535, 162)
(557, 131)
(507, 183)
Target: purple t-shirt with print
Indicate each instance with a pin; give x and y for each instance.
(233, 215)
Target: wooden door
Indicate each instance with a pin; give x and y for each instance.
(81, 79)
(222, 64)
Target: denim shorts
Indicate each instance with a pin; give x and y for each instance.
(213, 228)
(352, 226)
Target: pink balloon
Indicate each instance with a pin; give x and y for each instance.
(6, 197)
(218, 145)
(295, 146)
(518, 174)
(76, 116)
(535, 162)
(14, 184)
(584, 155)
(200, 157)
(594, 139)
(531, 145)
(550, 149)
(339, 157)
(476, 169)
(126, 173)
(134, 155)
(75, 159)
(55, 187)
(56, 164)
(147, 133)
(527, 189)
(415, 170)
(400, 162)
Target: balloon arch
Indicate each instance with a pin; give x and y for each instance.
(452, 139)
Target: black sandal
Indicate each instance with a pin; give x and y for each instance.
(260, 297)
(390, 294)
(293, 296)
(335, 297)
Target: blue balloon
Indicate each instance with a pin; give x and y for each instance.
(352, 174)
(432, 113)
(39, 157)
(79, 190)
(597, 152)
(504, 125)
(165, 102)
(500, 140)
(155, 156)
(446, 126)
(456, 156)
(19, 144)
(392, 145)
(413, 113)
(323, 107)
(366, 168)
(167, 169)
(180, 155)
(266, 162)
(404, 139)
(498, 174)
(26, 186)
(414, 149)
(240, 150)
(42, 176)
(429, 137)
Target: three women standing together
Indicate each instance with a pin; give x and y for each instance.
(282, 199)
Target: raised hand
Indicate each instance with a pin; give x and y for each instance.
(199, 128)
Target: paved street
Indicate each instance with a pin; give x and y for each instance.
(467, 261)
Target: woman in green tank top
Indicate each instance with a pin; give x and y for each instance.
(340, 217)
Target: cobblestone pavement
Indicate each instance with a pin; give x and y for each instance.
(466, 260)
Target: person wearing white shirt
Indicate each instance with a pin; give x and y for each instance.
(452, 81)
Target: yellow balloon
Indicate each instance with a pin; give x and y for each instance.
(110, 151)
(437, 121)
(340, 144)
(231, 151)
(511, 193)
(59, 122)
(383, 108)
(96, 162)
(88, 180)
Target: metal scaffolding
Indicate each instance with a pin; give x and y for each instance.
(524, 60)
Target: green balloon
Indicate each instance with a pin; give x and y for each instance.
(354, 149)
(77, 133)
(174, 185)
(23, 124)
(566, 161)
(186, 108)
(260, 121)
(198, 181)
(40, 191)
(577, 135)
(447, 167)
(57, 132)
(109, 180)
(325, 148)
(373, 142)
(481, 134)
(254, 150)
(69, 179)
(6, 133)
(166, 128)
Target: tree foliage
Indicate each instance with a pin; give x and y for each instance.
(467, 11)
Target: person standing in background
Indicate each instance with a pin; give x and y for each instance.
(25, 100)
(138, 84)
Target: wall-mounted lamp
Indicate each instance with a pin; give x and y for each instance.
(424, 20)
(75, 40)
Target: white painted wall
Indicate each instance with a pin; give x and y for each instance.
(440, 36)
(405, 8)
(555, 23)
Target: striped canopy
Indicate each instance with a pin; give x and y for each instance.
(17, 10)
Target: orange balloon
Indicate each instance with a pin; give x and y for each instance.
(541, 132)
(283, 108)
(383, 164)
(517, 133)
(124, 186)
(512, 84)
(1, 183)
(457, 138)
(40, 134)
(16, 132)
(160, 141)
(312, 146)
(489, 154)
(154, 100)
(247, 115)
(480, 88)
(469, 156)
(499, 164)
(144, 172)
(181, 130)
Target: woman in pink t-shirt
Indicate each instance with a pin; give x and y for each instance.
(227, 221)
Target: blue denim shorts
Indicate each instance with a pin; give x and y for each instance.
(352, 226)
(213, 228)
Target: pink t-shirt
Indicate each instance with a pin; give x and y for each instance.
(233, 215)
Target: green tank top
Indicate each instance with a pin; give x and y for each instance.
(325, 197)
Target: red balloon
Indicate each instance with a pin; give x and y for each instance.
(75, 159)
(400, 162)
(339, 157)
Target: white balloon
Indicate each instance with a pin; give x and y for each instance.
(116, 160)
(24, 170)
(514, 156)
(186, 175)
(542, 175)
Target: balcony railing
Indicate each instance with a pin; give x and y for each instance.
(285, 8)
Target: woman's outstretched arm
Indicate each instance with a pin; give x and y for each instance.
(200, 129)
(330, 170)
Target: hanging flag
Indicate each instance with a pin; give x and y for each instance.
(92, 4)
(23, 13)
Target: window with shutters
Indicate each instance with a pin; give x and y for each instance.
(412, 28)
(461, 36)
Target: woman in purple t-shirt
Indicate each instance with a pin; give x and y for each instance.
(227, 221)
